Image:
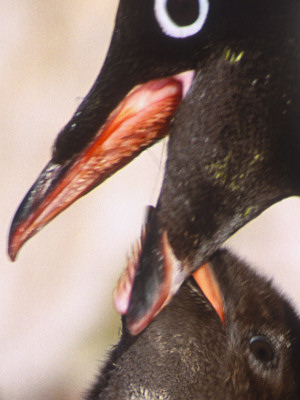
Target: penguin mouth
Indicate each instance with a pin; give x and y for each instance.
(208, 283)
(173, 275)
(142, 118)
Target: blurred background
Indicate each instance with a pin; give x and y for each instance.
(56, 316)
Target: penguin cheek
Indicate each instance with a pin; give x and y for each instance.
(181, 19)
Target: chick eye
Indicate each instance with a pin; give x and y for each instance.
(181, 18)
(261, 348)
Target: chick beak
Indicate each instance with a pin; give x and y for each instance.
(207, 281)
(141, 308)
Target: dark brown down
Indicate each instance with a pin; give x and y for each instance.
(187, 354)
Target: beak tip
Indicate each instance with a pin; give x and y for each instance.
(13, 248)
(15, 241)
(12, 256)
(136, 326)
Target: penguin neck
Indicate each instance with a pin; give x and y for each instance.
(239, 154)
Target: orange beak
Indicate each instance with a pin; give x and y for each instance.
(206, 280)
(142, 118)
(166, 284)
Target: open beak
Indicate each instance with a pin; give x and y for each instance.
(141, 118)
(207, 281)
(170, 274)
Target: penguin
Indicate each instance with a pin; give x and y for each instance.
(221, 79)
(186, 352)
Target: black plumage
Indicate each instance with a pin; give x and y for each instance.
(186, 353)
(234, 140)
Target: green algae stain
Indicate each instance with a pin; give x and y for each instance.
(257, 157)
(248, 211)
(219, 169)
(232, 56)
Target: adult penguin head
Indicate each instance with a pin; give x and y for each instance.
(234, 139)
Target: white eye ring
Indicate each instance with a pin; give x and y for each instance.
(170, 28)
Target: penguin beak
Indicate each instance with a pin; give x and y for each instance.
(207, 281)
(141, 118)
(173, 272)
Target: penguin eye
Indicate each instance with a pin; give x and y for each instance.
(181, 18)
(261, 348)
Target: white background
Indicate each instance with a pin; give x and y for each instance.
(56, 315)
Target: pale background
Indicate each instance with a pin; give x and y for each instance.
(56, 315)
